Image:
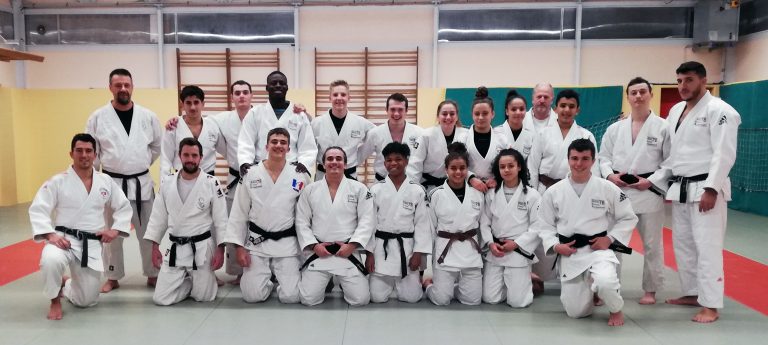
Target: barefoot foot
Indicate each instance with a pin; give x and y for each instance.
(706, 315)
(426, 283)
(55, 312)
(616, 319)
(109, 285)
(151, 281)
(219, 282)
(648, 298)
(685, 300)
(538, 285)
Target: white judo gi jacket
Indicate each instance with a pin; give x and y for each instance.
(353, 134)
(379, 137)
(601, 207)
(429, 156)
(511, 220)
(252, 142)
(205, 209)
(549, 155)
(269, 205)
(64, 201)
(449, 214)
(210, 138)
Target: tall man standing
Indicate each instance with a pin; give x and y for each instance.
(632, 150)
(129, 138)
(252, 142)
(703, 132)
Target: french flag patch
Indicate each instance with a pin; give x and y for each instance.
(297, 185)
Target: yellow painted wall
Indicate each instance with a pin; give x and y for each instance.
(44, 122)
(7, 149)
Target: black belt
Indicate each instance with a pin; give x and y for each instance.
(430, 180)
(386, 236)
(653, 188)
(583, 241)
(333, 248)
(234, 182)
(453, 237)
(348, 172)
(528, 256)
(82, 236)
(191, 240)
(684, 184)
(379, 177)
(125, 186)
(274, 236)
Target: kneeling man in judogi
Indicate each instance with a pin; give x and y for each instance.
(334, 221)
(261, 224)
(584, 219)
(192, 207)
(402, 235)
(68, 213)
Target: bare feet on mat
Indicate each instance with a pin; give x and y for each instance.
(692, 301)
(55, 312)
(219, 282)
(648, 298)
(596, 300)
(706, 315)
(616, 319)
(538, 285)
(426, 283)
(151, 281)
(109, 285)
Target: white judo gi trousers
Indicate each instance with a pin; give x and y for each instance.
(353, 284)
(469, 290)
(175, 284)
(256, 285)
(543, 268)
(698, 242)
(114, 263)
(510, 283)
(408, 289)
(650, 226)
(577, 293)
(84, 285)
(231, 266)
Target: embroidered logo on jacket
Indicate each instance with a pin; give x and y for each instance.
(413, 141)
(622, 197)
(352, 198)
(522, 205)
(297, 185)
(104, 193)
(356, 134)
(408, 205)
(723, 120)
(256, 183)
(651, 141)
(476, 205)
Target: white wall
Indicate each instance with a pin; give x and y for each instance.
(748, 60)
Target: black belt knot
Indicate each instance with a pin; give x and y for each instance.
(333, 248)
(386, 236)
(83, 236)
(500, 241)
(125, 186)
(191, 240)
(684, 181)
(457, 236)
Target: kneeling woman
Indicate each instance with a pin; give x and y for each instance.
(509, 213)
(455, 209)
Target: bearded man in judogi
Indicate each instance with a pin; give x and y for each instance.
(68, 214)
(192, 208)
(703, 131)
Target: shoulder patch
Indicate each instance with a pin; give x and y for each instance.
(622, 197)
(723, 120)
